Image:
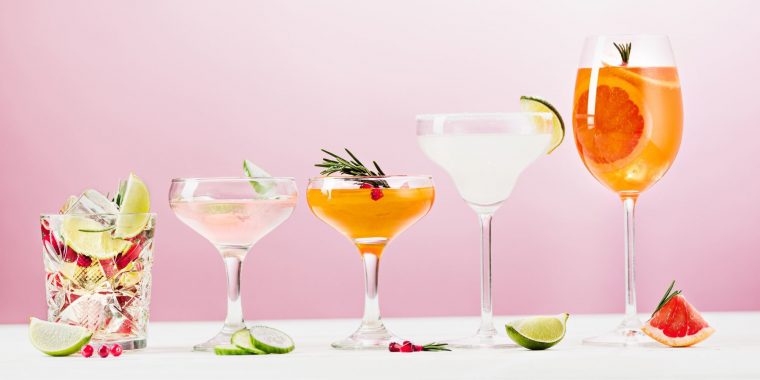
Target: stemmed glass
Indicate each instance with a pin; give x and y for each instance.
(233, 214)
(370, 211)
(484, 154)
(627, 125)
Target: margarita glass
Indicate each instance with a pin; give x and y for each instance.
(232, 214)
(484, 154)
(627, 119)
(370, 211)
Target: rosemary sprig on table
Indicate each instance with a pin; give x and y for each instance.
(667, 297)
(351, 167)
(436, 347)
(625, 51)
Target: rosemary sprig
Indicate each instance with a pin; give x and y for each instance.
(669, 294)
(100, 230)
(351, 167)
(436, 347)
(625, 51)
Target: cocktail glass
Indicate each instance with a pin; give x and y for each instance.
(97, 279)
(627, 119)
(370, 211)
(232, 214)
(484, 154)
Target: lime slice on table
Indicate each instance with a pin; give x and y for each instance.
(90, 238)
(229, 349)
(242, 340)
(535, 104)
(251, 171)
(57, 339)
(135, 203)
(271, 341)
(538, 333)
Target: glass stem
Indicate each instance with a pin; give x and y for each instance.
(371, 317)
(629, 203)
(486, 305)
(233, 262)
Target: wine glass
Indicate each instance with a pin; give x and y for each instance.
(627, 119)
(232, 214)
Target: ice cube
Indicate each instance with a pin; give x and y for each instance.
(92, 202)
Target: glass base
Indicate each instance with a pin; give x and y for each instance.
(628, 334)
(223, 337)
(478, 341)
(367, 338)
(126, 345)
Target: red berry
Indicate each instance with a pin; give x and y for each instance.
(123, 259)
(103, 351)
(87, 351)
(69, 255)
(407, 347)
(116, 350)
(416, 347)
(365, 186)
(376, 194)
(84, 261)
(394, 347)
(406, 342)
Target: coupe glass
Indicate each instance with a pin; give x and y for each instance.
(484, 154)
(627, 119)
(370, 211)
(233, 214)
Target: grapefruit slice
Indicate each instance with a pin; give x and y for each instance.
(676, 323)
(617, 126)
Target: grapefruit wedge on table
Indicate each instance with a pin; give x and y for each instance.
(676, 323)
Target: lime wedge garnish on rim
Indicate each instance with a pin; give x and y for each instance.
(57, 339)
(90, 238)
(252, 171)
(535, 104)
(135, 204)
(538, 333)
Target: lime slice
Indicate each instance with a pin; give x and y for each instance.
(229, 349)
(271, 341)
(242, 340)
(535, 104)
(538, 333)
(251, 171)
(57, 339)
(90, 238)
(135, 203)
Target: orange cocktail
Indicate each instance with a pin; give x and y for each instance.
(630, 136)
(370, 222)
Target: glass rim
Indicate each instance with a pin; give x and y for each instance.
(231, 179)
(116, 214)
(502, 115)
(418, 176)
(648, 35)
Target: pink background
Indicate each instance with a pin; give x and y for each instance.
(90, 91)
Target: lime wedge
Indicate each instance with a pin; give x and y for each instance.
(135, 203)
(57, 339)
(535, 104)
(252, 171)
(90, 238)
(229, 349)
(271, 341)
(538, 333)
(242, 340)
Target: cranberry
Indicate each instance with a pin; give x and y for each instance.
(103, 351)
(407, 347)
(416, 347)
(394, 347)
(123, 259)
(69, 255)
(87, 351)
(116, 350)
(84, 261)
(365, 186)
(376, 194)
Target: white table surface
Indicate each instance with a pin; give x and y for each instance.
(733, 352)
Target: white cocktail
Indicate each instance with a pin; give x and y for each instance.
(484, 154)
